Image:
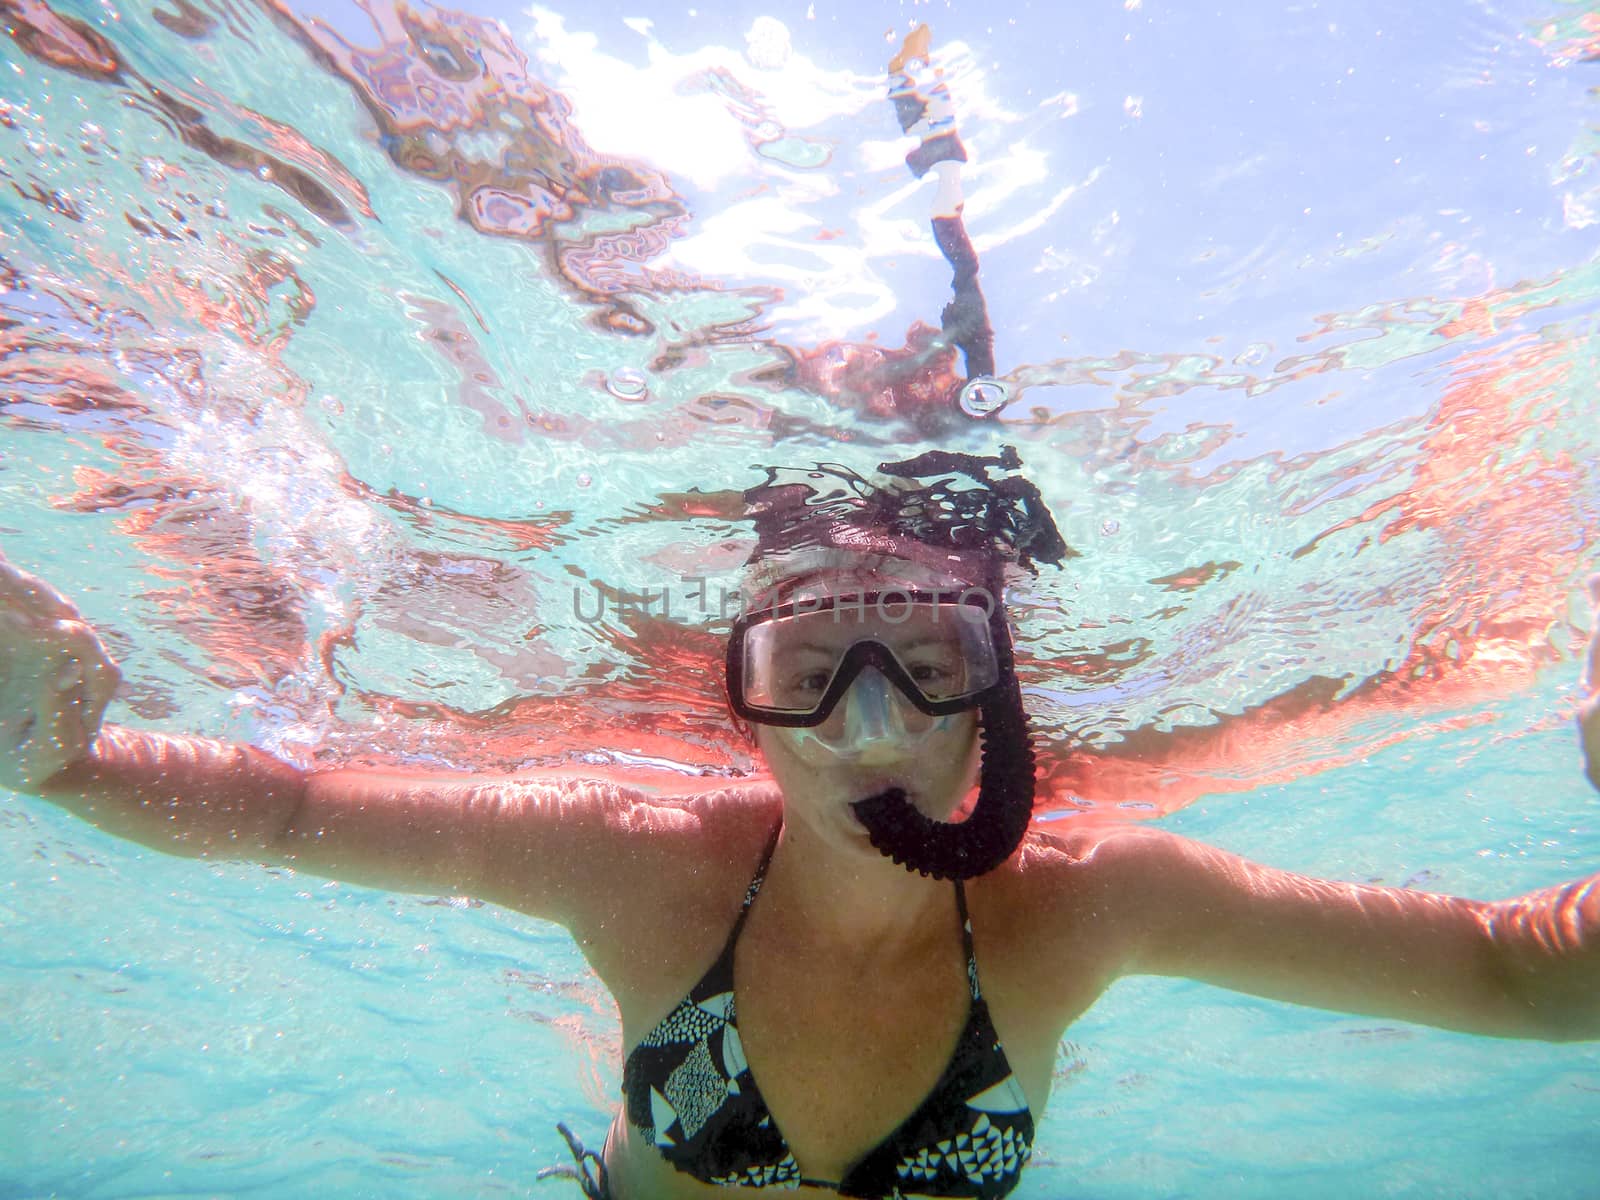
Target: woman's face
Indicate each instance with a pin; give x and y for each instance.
(875, 738)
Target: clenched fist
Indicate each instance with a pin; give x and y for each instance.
(55, 681)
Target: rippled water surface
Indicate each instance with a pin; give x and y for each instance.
(381, 380)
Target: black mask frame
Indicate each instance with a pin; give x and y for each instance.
(867, 652)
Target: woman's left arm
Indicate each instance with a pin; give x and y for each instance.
(1527, 967)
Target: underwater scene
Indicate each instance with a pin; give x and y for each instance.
(383, 380)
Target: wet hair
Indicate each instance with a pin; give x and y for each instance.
(941, 509)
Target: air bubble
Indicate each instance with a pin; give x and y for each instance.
(628, 383)
(585, 479)
(1110, 526)
(980, 397)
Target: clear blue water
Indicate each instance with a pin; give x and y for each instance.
(1298, 307)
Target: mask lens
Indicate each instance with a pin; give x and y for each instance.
(872, 718)
(938, 651)
(874, 709)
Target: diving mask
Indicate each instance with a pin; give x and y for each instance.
(853, 672)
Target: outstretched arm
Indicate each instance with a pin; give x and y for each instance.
(1525, 967)
(537, 846)
(1528, 967)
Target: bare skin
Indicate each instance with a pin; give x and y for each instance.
(842, 946)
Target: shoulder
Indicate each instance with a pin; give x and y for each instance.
(1054, 865)
(1057, 922)
(640, 851)
(720, 824)
(666, 884)
(610, 812)
(1089, 893)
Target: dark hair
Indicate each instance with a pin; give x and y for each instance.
(941, 508)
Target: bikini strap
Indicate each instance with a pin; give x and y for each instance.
(966, 941)
(754, 889)
(588, 1169)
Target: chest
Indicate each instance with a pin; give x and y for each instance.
(840, 1050)
(844, 1051)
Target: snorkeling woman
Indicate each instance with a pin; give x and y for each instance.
(845, 979)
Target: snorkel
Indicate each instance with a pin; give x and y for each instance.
(971, 533)
(999, 819)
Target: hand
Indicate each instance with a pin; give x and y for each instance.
(55, 681)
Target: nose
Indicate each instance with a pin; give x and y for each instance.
(873, 727)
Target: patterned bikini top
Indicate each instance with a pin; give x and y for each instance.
(689, 1090)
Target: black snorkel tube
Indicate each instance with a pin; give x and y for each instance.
(999, 820)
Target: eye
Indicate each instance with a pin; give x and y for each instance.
(812, 681)
(934, 679)
(803, 687)
(936, 674)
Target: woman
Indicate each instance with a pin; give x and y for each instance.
(798, 1008)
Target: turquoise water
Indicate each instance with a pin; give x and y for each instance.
(340, 379)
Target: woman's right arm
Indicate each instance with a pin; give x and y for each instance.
(538, 846)
(542, 847)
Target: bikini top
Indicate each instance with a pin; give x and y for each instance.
(688, 1089)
